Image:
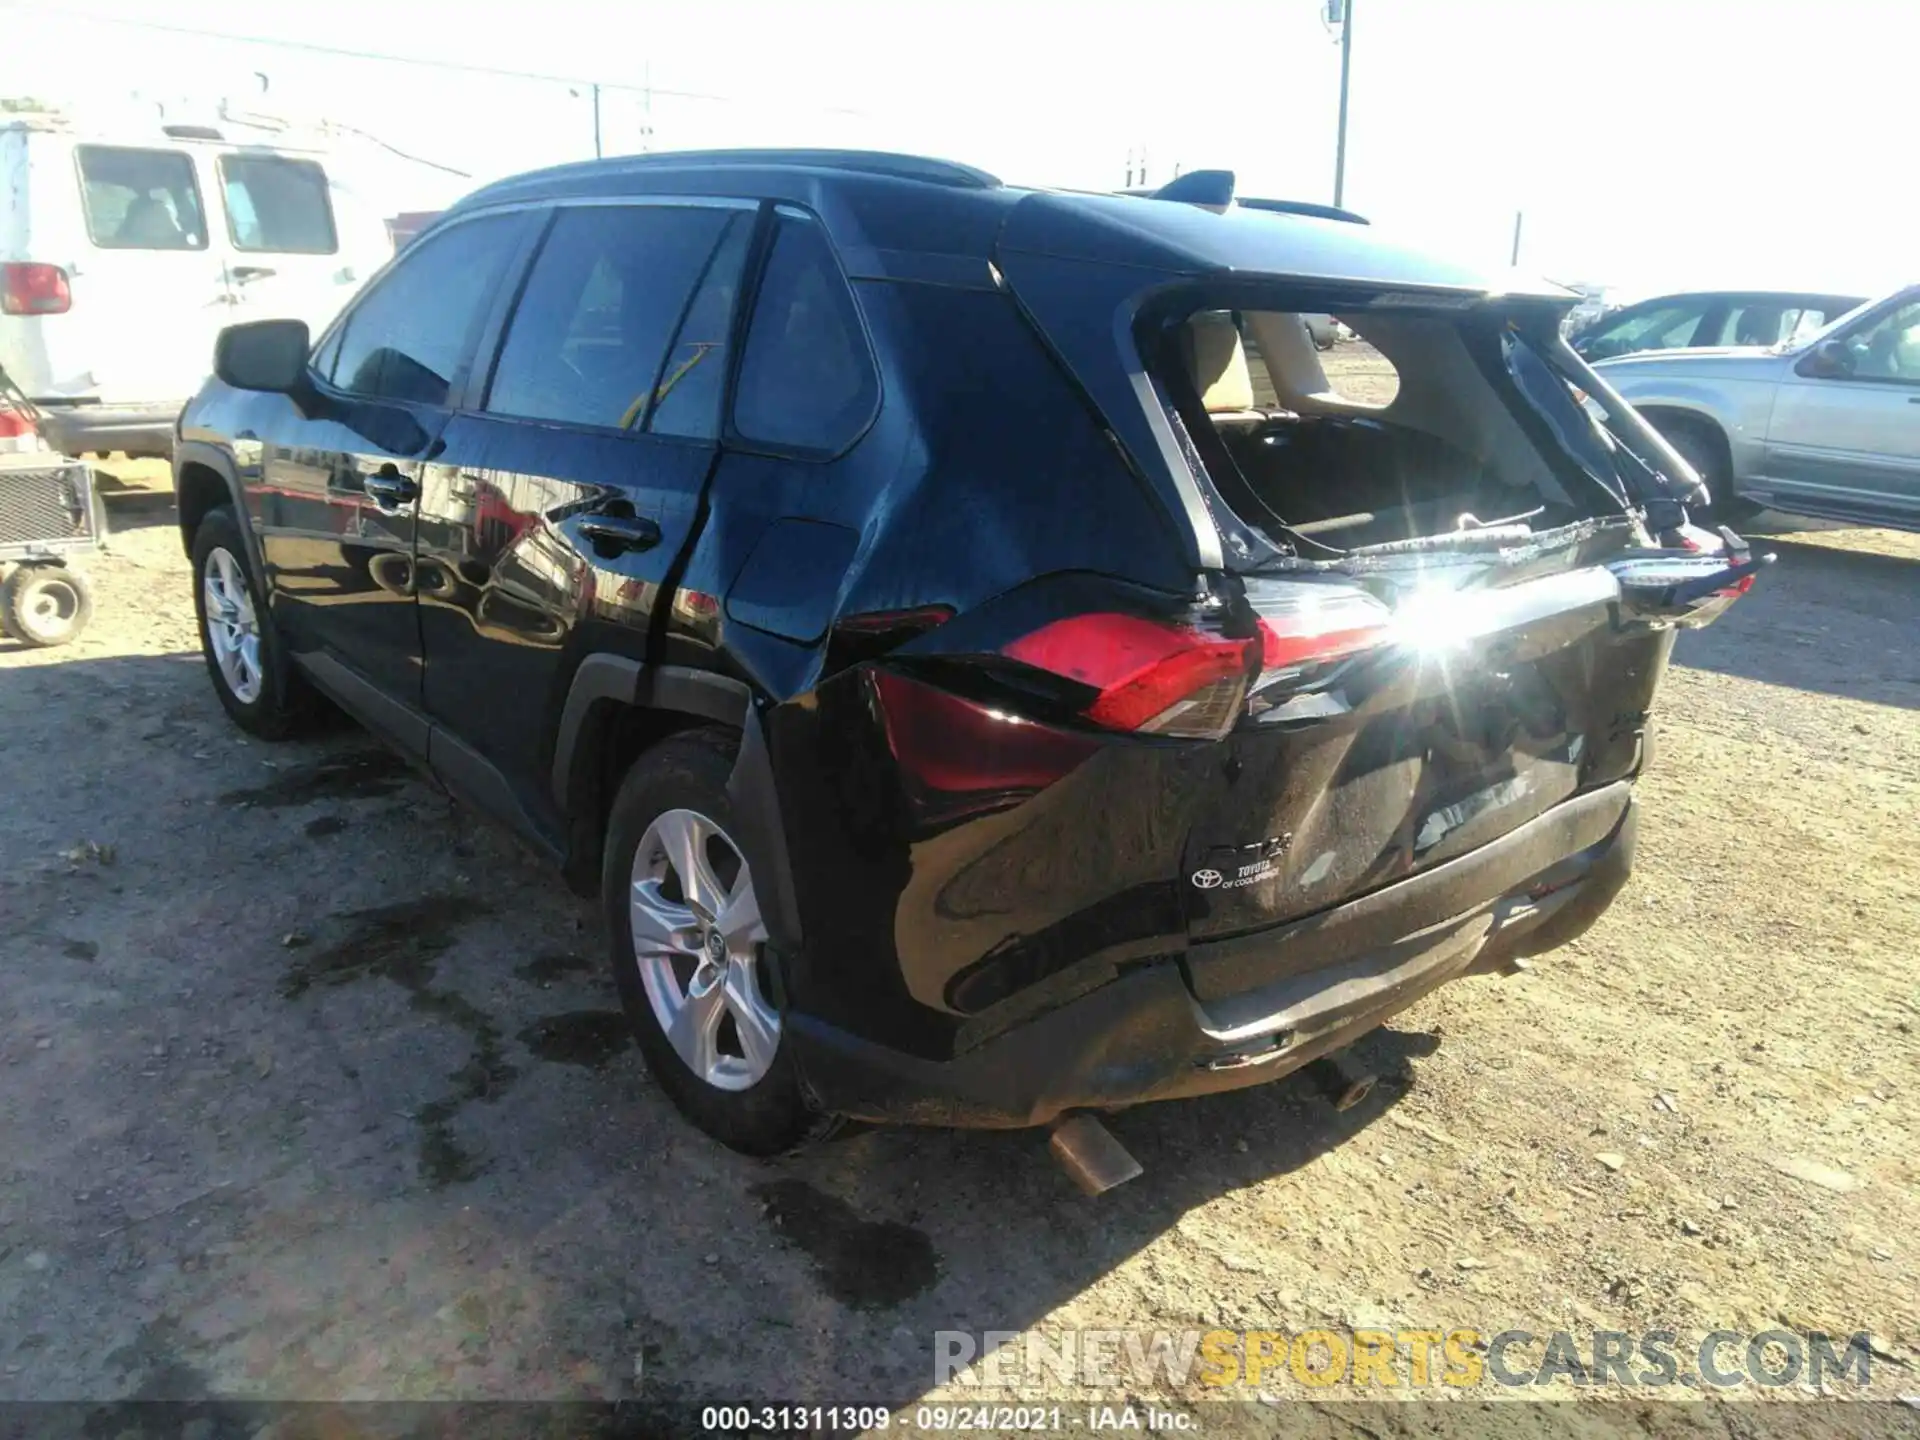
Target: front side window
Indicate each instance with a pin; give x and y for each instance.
(140, 199)
(278, 204)
(1888, 348)
(590, 334)
(806, 375)
(406, 338)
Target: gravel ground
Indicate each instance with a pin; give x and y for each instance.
(315, 1087)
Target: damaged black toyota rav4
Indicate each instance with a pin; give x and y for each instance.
(982, 664)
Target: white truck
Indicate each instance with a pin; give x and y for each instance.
(125, 249)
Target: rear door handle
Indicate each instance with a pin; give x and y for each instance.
(617, 533)
(244, 273)
(390, 490)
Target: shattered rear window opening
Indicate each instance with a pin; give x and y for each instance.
(1435, 428)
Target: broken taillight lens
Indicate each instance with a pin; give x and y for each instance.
(1151, 676)
(1303, 625)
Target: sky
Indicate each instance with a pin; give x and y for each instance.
(1648, 145)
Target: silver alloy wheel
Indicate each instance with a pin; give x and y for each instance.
(233, 634)
(697, 938)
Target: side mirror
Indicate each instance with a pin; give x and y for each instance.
(1829, 360)
(266, 355)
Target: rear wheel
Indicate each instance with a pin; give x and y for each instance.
(251, 675)
(45, 604)
(1706, 451)
(690, 954)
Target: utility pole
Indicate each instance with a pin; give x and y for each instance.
(1518, 216)
(1341, 11)
(596, 120)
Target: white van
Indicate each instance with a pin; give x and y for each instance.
(126, 252)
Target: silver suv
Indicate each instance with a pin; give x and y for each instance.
(1826, 426)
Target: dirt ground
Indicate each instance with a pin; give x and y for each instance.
(315, 1087)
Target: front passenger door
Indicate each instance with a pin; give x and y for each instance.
(1850, 443)
(341, 477)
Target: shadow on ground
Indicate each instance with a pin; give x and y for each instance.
(1832, 621)
(334, 1098)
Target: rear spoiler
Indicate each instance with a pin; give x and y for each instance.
(1216, 188)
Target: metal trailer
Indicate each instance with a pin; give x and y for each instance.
(50, 517)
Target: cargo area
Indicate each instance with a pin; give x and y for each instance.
(1458, 424)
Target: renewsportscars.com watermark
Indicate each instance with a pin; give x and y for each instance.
(1242, 1362)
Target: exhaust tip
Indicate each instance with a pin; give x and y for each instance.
(1093, 1159)
(1342, 1079)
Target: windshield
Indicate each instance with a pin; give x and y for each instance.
(1846, 321)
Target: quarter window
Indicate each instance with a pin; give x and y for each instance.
(140, 199)
(406, 338)
(277, 203)
(806, 376)
(590, 334)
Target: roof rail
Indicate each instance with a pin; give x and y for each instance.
(1216, 188)
(868, 162)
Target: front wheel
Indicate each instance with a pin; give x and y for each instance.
(255, 683)
(45, 604)
(690, 953)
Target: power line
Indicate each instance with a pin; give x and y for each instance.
(348, 53)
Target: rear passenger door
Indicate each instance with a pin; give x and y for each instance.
(561, 498)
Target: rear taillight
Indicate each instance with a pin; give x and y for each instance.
(13, 424)
(1302, 625)
(1150, 675)
(1684, 588)
(35, 289)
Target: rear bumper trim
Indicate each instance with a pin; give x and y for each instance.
(1148, 1035)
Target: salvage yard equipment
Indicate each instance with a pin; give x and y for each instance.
(50, 516)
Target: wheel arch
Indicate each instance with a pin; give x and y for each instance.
(618, 709)
(203, 480)
(1706, 425)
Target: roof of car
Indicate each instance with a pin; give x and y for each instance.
(909, 217)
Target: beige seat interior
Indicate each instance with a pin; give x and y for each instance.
(1217, 361)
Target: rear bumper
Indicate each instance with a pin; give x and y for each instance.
(1245, 1011)
(134, 429)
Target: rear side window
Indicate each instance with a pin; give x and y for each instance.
(687, 399)
(407, 336)
(806, 376)
(591, 331)
(276, 203)
(140, 199)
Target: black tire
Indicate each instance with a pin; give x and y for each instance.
(45, 604)
(772, 1116)
(1706, 450)
(285, 702)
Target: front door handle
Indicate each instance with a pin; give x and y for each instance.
(246, 273)
(612, 534)
(390, 489)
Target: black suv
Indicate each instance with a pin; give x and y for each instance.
(972, 693)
